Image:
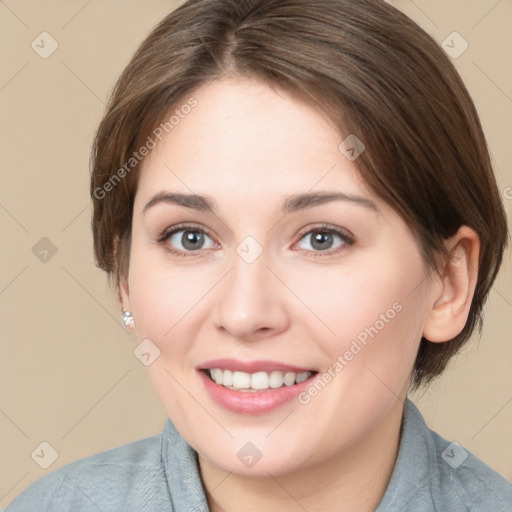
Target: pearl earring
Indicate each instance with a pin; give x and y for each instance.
(128, 320)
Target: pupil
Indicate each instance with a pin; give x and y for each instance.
(320, 238)
(192, 239)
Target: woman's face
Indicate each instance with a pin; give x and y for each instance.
(261, 280)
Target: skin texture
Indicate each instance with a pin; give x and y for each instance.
(248, 148)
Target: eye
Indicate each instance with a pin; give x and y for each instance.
(184, 239)
(326, 239)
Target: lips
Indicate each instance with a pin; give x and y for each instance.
(252, 387)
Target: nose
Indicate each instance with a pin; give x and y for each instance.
(251, 301)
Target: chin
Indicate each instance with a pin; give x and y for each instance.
(258, 459)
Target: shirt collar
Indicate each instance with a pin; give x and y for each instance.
(181, 469)
(413, 468)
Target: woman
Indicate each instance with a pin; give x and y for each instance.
(295, 202)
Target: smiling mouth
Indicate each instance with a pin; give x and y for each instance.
(259, 381)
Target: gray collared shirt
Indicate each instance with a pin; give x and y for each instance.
(161, 474)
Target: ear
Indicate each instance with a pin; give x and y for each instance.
(452, 299)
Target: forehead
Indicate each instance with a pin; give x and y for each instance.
(245, 140)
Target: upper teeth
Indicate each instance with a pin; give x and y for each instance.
(258, 380)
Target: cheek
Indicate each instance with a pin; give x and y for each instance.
(376, 314)
(361, 303)
(169, 302)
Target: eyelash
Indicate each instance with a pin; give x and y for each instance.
(168, 232)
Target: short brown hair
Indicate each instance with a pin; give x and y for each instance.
(362, 64)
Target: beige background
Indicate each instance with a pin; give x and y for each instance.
(68, 374)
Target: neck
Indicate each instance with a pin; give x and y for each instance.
(355, 479)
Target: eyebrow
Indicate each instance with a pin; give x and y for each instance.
(292, 204)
